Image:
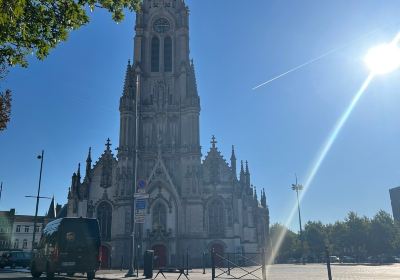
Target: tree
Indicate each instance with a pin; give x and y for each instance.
(337, 238)
(5, 109)
(315, 236)
(37, 26)
(383, 234)
(290, 246)
(357, 235)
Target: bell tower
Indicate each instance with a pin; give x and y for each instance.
(168, 101)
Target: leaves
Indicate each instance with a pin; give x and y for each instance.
(5, 109)
(37, 26)
(356, 236)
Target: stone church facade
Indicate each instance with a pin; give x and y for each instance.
(194, 204)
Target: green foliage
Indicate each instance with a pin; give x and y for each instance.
(315, 235)
(290, 246)
(37, 26)
(5, 109)
(358, 237)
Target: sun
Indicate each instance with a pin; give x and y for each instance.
(383, 59)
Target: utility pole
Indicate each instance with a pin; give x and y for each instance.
(297, 187)
(1, 189)
(131, 271)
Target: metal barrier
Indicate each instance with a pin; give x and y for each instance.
(250, 266)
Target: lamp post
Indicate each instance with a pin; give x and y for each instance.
(131, 271)
(41, 157)
(297, 187)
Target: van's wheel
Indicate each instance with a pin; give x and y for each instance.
(91, 275)
(34, 272)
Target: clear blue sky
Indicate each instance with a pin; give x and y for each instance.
(70, 102)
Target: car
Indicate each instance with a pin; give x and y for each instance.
(68, 245)
(334, 259)
(15, 258)
(348, 259)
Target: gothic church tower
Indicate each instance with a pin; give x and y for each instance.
(193, 204)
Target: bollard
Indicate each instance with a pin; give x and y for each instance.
(212, 264)
(204, 262)
(187, 261)
(229, 265)
(328, 263)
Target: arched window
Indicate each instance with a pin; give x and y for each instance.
(16, 244)
(216, 218)
(159, 216)
(155, 54)
(104, 216)
(168, 54)
(25, 244)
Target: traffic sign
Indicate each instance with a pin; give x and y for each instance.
(141, 186)
(140, 204)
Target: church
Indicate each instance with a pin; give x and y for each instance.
(189, 203)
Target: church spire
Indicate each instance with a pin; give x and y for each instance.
(51, 214)
(242, 175)
(213, 142)
(247, 174)
(263, 199)
(233, 162)
(108, 144)
(128, 86)
(78, 173)
(89, 163)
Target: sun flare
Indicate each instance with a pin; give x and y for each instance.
(383, 59)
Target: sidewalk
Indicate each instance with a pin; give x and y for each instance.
(117, 275)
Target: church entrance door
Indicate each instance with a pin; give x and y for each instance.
(219, 253)
(160, 254)
(105, 257)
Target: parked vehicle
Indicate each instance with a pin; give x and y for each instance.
(348, 259)
(15, 258)
(334, 259)
(68, 245)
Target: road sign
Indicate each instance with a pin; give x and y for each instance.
(140, 215)
(140, 204)
(141, 186)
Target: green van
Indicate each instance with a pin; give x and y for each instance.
(68, 245)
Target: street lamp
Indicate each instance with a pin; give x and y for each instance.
(37, 198)
(297, 187)
(131, 271)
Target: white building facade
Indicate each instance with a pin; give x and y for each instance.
(22, 232)
(194, 203)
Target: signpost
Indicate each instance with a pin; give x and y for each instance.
(140, 210)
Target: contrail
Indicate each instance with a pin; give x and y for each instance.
(318, 58)
(297, 67)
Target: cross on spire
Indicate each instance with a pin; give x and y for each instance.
(213, 141)
(108, 145)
